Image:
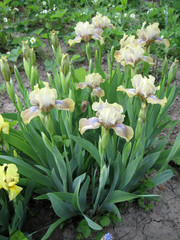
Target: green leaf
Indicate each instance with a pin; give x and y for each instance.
(18, 235)
(105, 221)
(80, 74)
(89, 147)
(162, 177)
(61, 208)
(92, 224)
(52, 227)
(99, 68)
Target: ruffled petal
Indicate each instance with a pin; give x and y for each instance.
(76, 40)
(12, 175)
(154, 100)
(30, 113)
(97, 37)
(148, 60)
(123, 131)
(164, 41)
(14, 191)
(86, 124)
(66, 104)
(98, 92)
(81, 85)
(129, 91)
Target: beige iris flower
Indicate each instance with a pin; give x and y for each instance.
(8, 179)
(108, 116)
(145, 89)
(92, 81)
(101, 22)
(85, 31)
(45, 99)
(4, 126)
(131, 39)
(151, 34)
(131, 54)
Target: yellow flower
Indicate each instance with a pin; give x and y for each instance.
(108, 116)
(151, 34)
(85, 31)
(45, 99)
(131, 55)
(4, 126)
(101, 22)
(92, 81)
(126, 40)
(144, 88)
(8, 179)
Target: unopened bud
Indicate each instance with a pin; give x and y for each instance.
(19, 104)
(65, 64)
(26, 50)
(172, 72)
(112, 54)
(49, 124)
(33, 57)
(34, 76)
(54, 39)
(10, 90)
(88, 51)
(5, 68)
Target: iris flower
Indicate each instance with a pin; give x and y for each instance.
(131, 54)
(126, 40)
(101, 22)
(85, 31)
(45, 99)
(92, 81)
(108, 116)
(145, 89)
(8, 179)
(4, 126)
(151, 34)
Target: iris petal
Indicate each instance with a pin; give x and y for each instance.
(154, 100)
(14, 191)
(98, 92)
(66, 104)
(130, 92)
(123, 131)
(30, 113)
(91, 123)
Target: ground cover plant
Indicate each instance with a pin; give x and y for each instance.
(89, 138)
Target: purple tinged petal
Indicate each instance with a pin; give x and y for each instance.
(86, 124)
(30, 113)
(123, 131)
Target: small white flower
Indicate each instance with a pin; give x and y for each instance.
(43, 3)
(32, 40)
(113, 6)
(8, 53)
(115, 16)
(5, 19)
(36, 15)
(16, 9)
(162, 36)
(165, 12)
(119, 21)
(54, 8)
(109, 5)
(44, 11)
(132, 15)
(125, 15)
(84, 13)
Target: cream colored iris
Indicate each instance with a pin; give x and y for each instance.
(45, 99)
(131, 54)
(8, 179)
(151, 34)
(108, 116)
(85, 31)
(145, 89)
(4, 126)
(126, 40)
(92, 81)
(101, 22)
